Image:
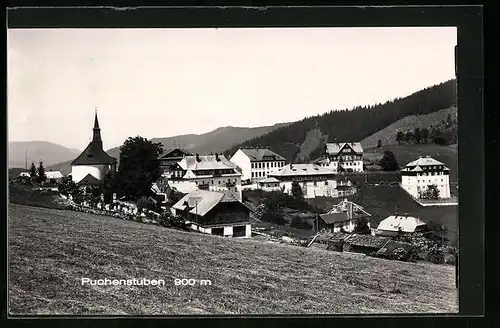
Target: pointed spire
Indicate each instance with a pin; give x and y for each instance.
(97, 131)
(96, 122)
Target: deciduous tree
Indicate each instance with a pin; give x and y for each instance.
(389, 162)
(139, 167)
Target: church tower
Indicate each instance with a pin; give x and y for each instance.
(91, 166)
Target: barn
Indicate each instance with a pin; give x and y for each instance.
(216, 213)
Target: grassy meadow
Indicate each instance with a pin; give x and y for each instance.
(51, 250)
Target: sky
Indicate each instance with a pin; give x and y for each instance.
(167, 82)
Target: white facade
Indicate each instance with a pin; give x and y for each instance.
(418, 175)
(312, 189)
(98, 171)
(227, 230)
(243, 162)
(186, 186)
(256, 164)
(349, 155)
(414, 184)
(261, 170)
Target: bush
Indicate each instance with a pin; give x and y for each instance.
(301, 224)
(144, 203)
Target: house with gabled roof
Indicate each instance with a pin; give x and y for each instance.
(343, 157)
(395, 225)
(209, 172)
(424, 172)
(93, 163)
(216, 213)
(313, 179)
(345, 216)
(256, 163)
(170, 157)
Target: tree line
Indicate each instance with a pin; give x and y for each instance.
(355, 124)
(443, 133)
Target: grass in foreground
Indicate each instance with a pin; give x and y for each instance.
(50, 251)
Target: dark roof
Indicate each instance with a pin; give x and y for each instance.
(168, 153)
(89, 179)
(258, 154)
(324, 238)
(93, 154)
(367, 241)
(330, 218)
(389, 249)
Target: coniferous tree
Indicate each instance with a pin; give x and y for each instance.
(41, 173)
(417, 135)
(400, 136)
(425, 135)
(33, 172)
(409, 136)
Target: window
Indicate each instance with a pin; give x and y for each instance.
(314, 184)
(326, 183)
(212, 181)
(218, 181)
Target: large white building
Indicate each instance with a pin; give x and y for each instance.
(343, 157)
(418, 175)
(93, 163)
(313, 179)
(210, 172)
(257, 163)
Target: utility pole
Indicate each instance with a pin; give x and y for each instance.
(26, 159)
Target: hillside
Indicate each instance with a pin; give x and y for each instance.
(409, 152)
(382, 201)
(408, 123)
(213, 141)
(351, 125)
(49, 152)
(50, 251)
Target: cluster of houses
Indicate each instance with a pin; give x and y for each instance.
(213, 184)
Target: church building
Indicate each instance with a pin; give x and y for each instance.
(93, 163)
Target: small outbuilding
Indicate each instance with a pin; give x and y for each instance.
(397, 224)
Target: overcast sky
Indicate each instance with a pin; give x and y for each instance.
(165, 82)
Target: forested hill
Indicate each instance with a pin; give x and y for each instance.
(304, 140)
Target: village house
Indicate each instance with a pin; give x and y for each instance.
(397, 224)
(343, 157)
(269, 184)
(93, 163)
(257, 163)
(54, 175)
(210, 172)
(170, 157)
(216, 213)
(314, 180)
(345, 216)
(420, 174)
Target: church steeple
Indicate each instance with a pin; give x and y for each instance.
(97, 131)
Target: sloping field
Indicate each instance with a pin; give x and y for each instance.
(408, 123)
(50, 251)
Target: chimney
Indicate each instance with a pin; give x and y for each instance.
(217, 157)
(427, 156)
(197, 157)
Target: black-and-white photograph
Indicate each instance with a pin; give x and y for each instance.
(232, 171)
